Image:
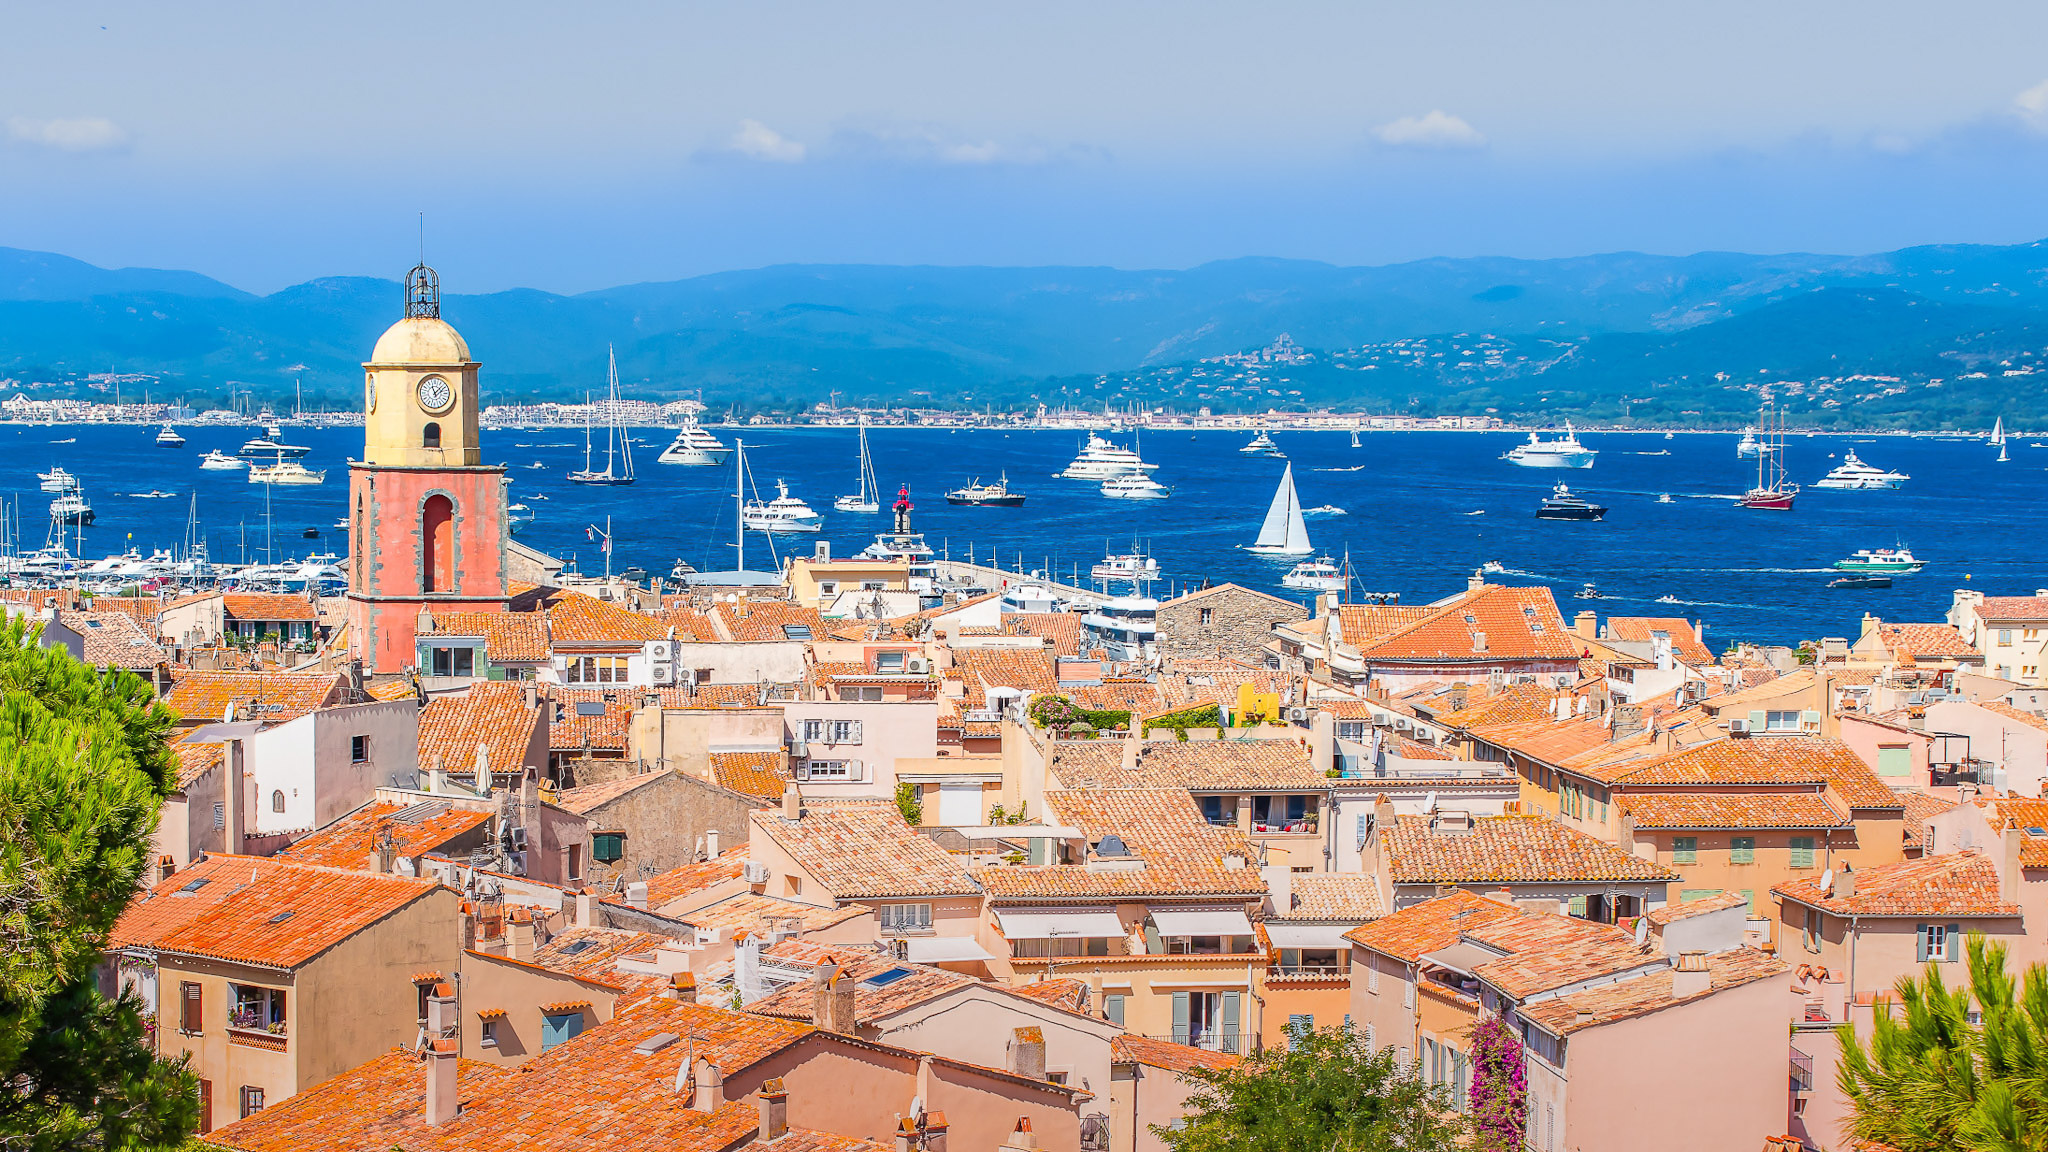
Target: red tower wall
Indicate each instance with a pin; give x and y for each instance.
(390, 549)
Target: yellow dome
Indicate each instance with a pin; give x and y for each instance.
(420, 340)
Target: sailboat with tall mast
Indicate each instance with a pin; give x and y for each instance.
(618, 445)
(1283, 533)
(1998, 438)
(1772, 490)
(869, 498)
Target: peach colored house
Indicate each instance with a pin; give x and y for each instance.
(1899, 754)
(678, 1076)
(1149, 1085)
(2009, 741)
(1307, 979)
(275, 976)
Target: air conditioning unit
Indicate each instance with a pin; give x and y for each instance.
(754, 872)
(1738, 726)
(664, 673)
(516, 862)
(518, 837)
(1298, 715)
(916, 665)
(799, 748)
(661, 650)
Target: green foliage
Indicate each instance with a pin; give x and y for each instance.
(1195, 716)
(1931, 1081)
(83, 769)
(1325, 1091)
(1058, 712)
(997, 814)
(910, 802)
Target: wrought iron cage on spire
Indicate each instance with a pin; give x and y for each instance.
(422, 294)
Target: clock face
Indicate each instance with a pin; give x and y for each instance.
(435, 395)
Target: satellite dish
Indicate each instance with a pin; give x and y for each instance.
(1642, 931)
(1429, 802)
(1827, 881)
(916, 1106)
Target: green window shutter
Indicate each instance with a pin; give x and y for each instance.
(1920, 943)
(1686, 895)
(1758, 720)
(1180, 1017)
(1230, 1017)
(1578, 905)
(1895, 761)
(1742, 850)
(1954, 942)
(1802, 851)
(1685, 849)
(1154, 944)
(1809, 720)
(1113, 1008)
(1749, 894)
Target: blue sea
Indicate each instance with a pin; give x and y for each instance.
(1423, 510)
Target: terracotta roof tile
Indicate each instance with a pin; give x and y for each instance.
(918, 984)
(579, 621)
(1920, 808)
(1996, 608)
(762, 774)
(2025, 813)
(194, 761)
(1517, 623)
(1415, 931)
(1751, 760)
(1686, 910)
(1362, 624)
(1508, 849)
(861, 849)
(748, 910)
(1908, 641)
(274, 913)
(1952, 884)
(590, 797)
(267, 606)
(1060, 630)
(348, 842)
(758, 620)
(1338, 897)
(372, 1107)
(1170, 1057)
(1517, 704)
(593, 954)
(492, 714)
(275, 696)
(1551, 742)
(1642, 995)
(980, 669)
(1058, 991)
(115, 640)
(509, 637)
(664, 888)
(1734, 810)
(1183, 855)
(1200, 765)
(1685, 642)
(2006, 711)
(1546, 951)
(1134, 696)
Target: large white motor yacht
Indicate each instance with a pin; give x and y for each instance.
(1135, 486)
(285, 472)
(1125, 626)
(1101, 459)
(216, 460)
(1322, 574)
(271, 443)
(1854, 474)
(695, 447)
(1131, 567)
(785, 513)
(57, 480)
(1565, 452)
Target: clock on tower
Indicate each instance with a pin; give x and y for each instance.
(426, 515)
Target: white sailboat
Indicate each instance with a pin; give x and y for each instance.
(618, 446)
(869, 498)
(1283, 533)
(1998, 437)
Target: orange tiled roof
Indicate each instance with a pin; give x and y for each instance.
(1920, 808)
(1183, 855)
(758, 620)
(114, 640)
(917, 985)
(589, 797)
(1170, 1057)
(509, 637)
(1516, 704)
(1509, 849)
(373, 1107)
(747, 911)
(492, 713)
(665, 888)
(579, 621)
(762, 774)
(593, 955)
(1952, 884)
(1690, 908)
(1546, 951)
(1363, 623)
(1747, 760)
(1517, 623)
(194, 761)
(569, 729)
(1060, 630)
(348, 842)
(1134, 696)
(275, 696)
(267, 606)
(1203, 765)
(1058, 991)
(1734, 810)
(389, 690)
(1914, 640)
(2025, 813)
(2019, 716)
(1685, 642)
(1999, 608)
(1548, 741)
(1332, 896)
(980, 669)
(1625, 999)
(864, 848)
(275, 913)
(1415, 931)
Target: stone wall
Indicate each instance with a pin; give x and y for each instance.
(663, 820)
(1226, 620)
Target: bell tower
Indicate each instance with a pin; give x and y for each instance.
(426, 515)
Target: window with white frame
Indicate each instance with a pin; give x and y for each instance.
(1781, 721)
(832, 731)
(903, 919)
(848, 770)
(888, 661)
(596, 670)
(1939, 942)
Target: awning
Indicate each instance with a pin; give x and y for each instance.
(1202, 922)
(943, 949)
(1308, 936)
(1461, 957)
(1046, 925)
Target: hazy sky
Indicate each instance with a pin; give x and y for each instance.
(574, 146)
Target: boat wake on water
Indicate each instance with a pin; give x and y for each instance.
(1353, 468)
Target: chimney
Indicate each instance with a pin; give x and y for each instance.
(1476, 581)
(1845, 883)
(1027, 1053)
(773, 1104)
(519, 934)
(1586, 626)
(935, 1127)
(792, 804)
(711, 844)
(831, 999)
(682, 986)
(1022, 1138)
(2010, 839)
(235, 754)
(1479, 641)
(532, 696)
(636, 894)
(383, 851)
(710, 1084)
(1689, 977)
(443, 1018)
(1627, 840)
(1279, 886)
(586, 910)
(1870, 624)
(442, 1101)
(1457, 696)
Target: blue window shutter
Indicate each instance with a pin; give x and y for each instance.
(1230, 1005)
(554, 1030)
(1113, 1008)
(1954, 942)
(1180, 1017)
(1920, 944)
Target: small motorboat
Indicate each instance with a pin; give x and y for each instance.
(1591, 593)
(1860, 582)
(1668, 598)
(311, 533)
(1321, 574)
(216, 460)
(518, 516)
(996, 495)
(1324, 510)
(1563, 505)
(285, 471)
(1664, 499)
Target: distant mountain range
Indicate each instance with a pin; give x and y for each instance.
(1666, 338)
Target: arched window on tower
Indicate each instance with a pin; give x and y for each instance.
(430, 436)
(437, 545)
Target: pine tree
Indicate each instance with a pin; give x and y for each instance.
(83, 769)
(1500, 1088)
(1325, 1091)
(1932, 1081)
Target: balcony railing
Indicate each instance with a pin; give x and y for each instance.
(1307, 972)
(1802, 1071)
(1210, 1039)
(258, 1038)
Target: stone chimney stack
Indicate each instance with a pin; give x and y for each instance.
(1586, 626)
(711, 844)
(636, 894)
(1476, 581)
(1689, 977)
(1845, 883)
(832, 999)
(792, 804)
(2009, 840)
(1022, 1138)
(683, 986)
(773, 1104)
(442, 1098)
(1027, 1053)
(710, 1083)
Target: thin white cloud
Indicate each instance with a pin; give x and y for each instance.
(761, 142)
(1433, 129)
(67, 133)
(2032, 106)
